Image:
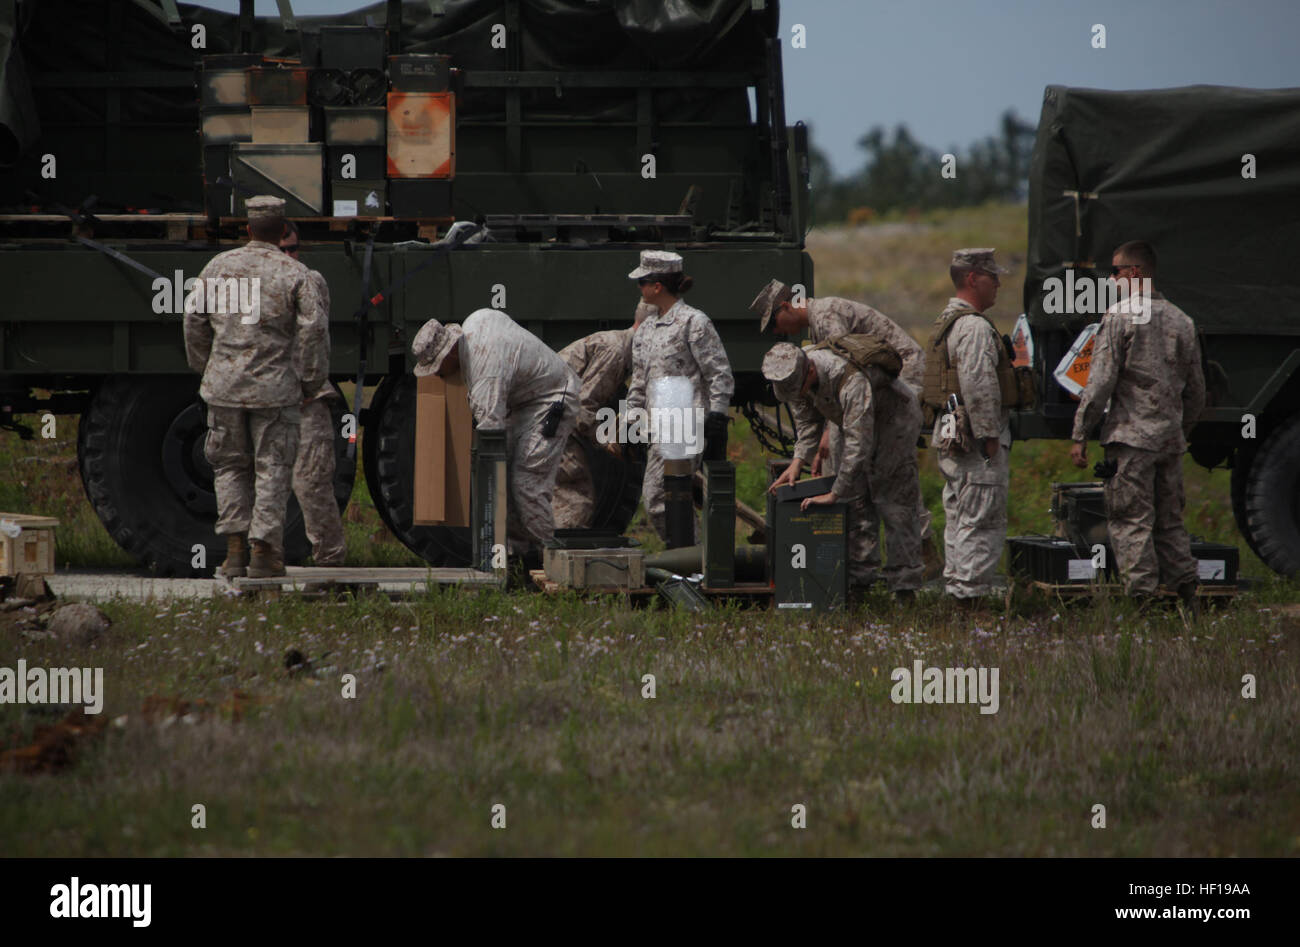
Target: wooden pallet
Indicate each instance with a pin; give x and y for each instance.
(323, 581)
(1082, 589)
(753, 591)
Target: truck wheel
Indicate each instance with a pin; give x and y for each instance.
(1272, 499)
(1241, 463)
(390, 473)
(140, 449)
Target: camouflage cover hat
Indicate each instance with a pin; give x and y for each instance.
(978, 258)
(657, 263)
(264, 206)
(432, 344)
(785, 366)
(766, 302)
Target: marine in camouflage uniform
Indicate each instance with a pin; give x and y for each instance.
(976, 480)
(679, 341)
(1150, 374)
(602, 362)
(512, 378)
(257, 368)
(878, 476)
(313, 470)
(827, 317)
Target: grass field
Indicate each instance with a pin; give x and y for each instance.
(468, 700)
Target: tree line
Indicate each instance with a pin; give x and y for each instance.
(900, 173)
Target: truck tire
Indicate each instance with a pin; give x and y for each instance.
(1242, 461)
(140, 449)
(389, 459)
(1271, 499)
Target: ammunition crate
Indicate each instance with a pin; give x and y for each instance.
(1057, 561)
(271, 86)
(31, 552)
(804, 489)
(356, 125)
(358, 198)
(226, 126)
(1216, 563)
(817, 577)
(719, 532)
(369, 86)
(419, 198)
(352, 47)
(368, 162)
(421, 135)
(223, 88)
(595, 568)
(1079, 510)
(292, 172)
(418, 72)
(281, 124)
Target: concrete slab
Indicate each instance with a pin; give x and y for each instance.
(85, 586)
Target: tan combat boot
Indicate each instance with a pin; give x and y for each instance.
(266, 561)
(236, 563)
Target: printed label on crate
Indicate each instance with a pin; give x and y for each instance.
(1212, 570)
(1082, 569)
(345, 208)
(794, 604)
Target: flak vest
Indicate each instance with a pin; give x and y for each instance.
(1015, 385)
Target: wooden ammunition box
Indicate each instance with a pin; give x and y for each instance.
(596, 568)
(293, 172)
(421, 135)
(281, 125)
(31, 552)
(277, 87)
(356, 125)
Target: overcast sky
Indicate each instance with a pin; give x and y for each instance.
(948, 69)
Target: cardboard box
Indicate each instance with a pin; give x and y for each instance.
(281, 125)
(421, 135)
(358, 198)
(444, 430)
(31, 552)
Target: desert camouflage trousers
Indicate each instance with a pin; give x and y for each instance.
(252, 451)
(534, 465)
(652, 493)
(893, 499)
(313, 483)
(575, 492)
(975, 504)
(835, 450)
(1144, 513)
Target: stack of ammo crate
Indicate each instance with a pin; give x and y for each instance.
(327, 134)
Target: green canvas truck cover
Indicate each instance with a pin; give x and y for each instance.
(1166, 166)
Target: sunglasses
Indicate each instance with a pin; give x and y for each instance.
(1114, 270)
(646, 281)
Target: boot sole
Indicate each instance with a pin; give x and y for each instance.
(235, 573)
(265, 573)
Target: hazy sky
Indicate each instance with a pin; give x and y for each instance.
(948, 69)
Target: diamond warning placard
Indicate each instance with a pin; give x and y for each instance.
(1072, 372)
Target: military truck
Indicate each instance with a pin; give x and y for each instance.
(1211, 177)
(583, 133)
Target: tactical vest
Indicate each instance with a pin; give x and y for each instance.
(862, 351)
(1015, 386)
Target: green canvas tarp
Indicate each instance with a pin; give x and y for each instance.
(1166, 167)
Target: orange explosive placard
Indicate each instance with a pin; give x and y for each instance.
(1072, 371)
